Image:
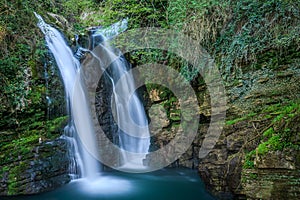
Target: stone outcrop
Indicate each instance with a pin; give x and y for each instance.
(276, 176)
(222, 169)
(43, 168)
(277, 160)
(271, 183)
(273, 172)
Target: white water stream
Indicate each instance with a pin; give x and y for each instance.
(129, 113)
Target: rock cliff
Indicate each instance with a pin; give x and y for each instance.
(41, 167)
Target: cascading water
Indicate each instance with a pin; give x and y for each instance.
(79, 117)
(133, 131)
(129, 113)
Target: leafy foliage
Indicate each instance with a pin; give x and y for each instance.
(23, 56)
(141, 13)
(21, 51)
(241, 33)
(256, 29)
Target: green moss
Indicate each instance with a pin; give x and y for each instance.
(234, 121)
(268, 132)
(246, 117)
(249, 164)
(267, 116)
(56, 125)
(253, 176)
(262, 148)
(175, 116)
(20, 147)
(279, 135)
(274, 143)
(12, 188)
(282, 108)
(15, 174)
(249, 160)
(252, 114)
(5, 169)
(280, 139)
(25, 141)
(291, 115)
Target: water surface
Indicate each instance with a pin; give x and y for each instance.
(166, 184)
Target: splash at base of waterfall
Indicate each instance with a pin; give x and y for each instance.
(134, 163)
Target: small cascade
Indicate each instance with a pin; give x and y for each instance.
(129, 113)
(78, 111)
(76, 163)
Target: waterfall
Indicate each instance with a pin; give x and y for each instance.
(129, 113)
(128, 110)
(79, 117)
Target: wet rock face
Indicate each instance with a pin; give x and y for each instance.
(271, 183)
(276, 176)
(104, 109)
(276, 159)
(44, 168)
(273, 173)
(222, 169)
(166, 125)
